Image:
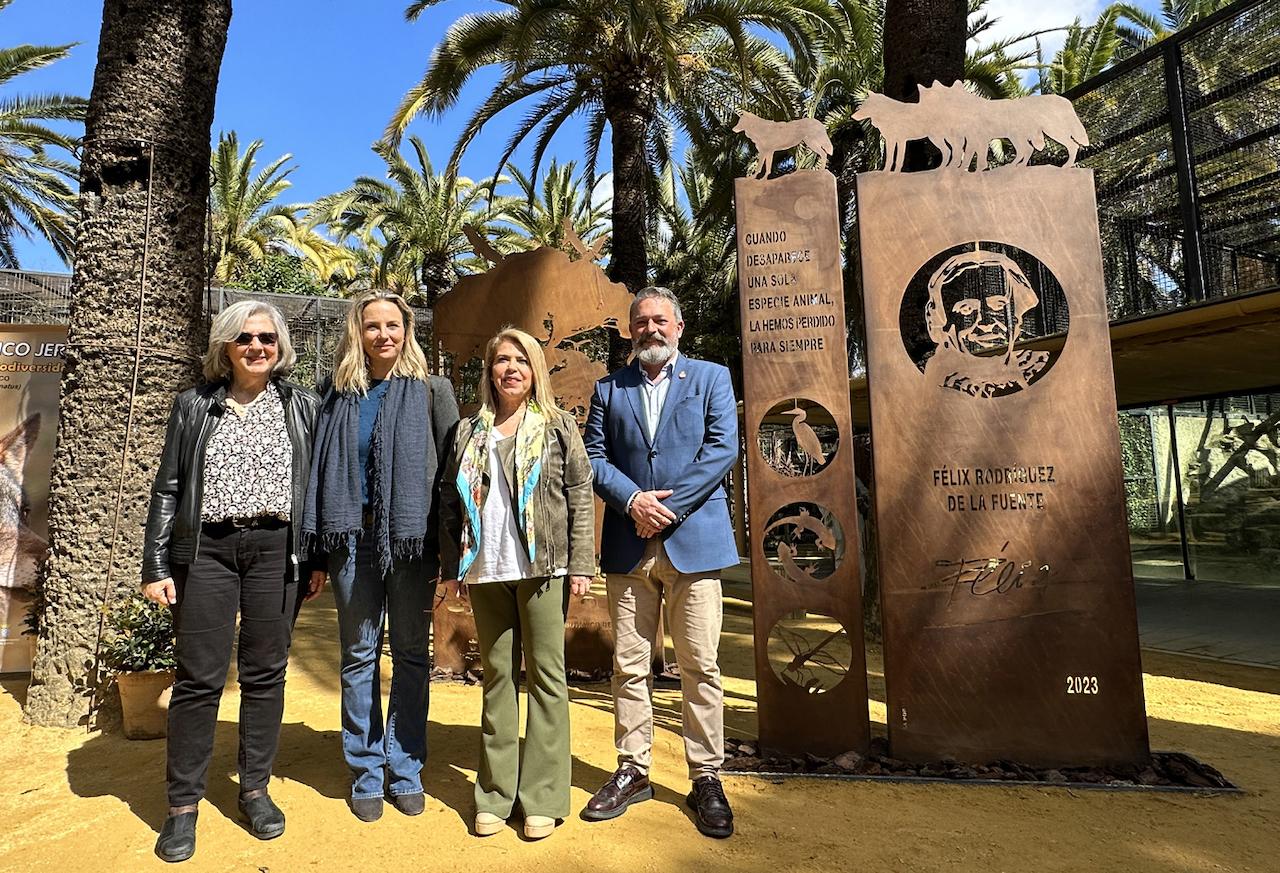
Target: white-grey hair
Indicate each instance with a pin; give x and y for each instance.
(659, 292)
(229, 323)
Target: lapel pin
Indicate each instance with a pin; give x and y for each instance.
(683, 374)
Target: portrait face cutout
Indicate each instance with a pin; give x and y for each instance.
(969, 312)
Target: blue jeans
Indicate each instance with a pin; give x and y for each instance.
(368, 602)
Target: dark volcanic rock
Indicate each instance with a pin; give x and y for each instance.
(1166, 769)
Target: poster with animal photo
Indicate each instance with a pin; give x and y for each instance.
(31, 358)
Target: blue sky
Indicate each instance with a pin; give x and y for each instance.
(319, 79)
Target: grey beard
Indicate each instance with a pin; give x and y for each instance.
(656, 354)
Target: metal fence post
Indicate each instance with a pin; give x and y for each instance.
(1188, 572)
(1183, 160)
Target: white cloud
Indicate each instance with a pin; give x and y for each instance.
(603, 192)
(1014, 17)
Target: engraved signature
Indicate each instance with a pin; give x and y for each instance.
(994, 575)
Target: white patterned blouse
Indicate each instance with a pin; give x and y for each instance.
(248, 468)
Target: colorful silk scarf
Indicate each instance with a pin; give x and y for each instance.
(473, 484)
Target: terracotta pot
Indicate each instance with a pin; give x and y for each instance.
(144, 700)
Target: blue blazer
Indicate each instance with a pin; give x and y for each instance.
(695, 446)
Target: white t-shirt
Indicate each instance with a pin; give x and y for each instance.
(502, 557)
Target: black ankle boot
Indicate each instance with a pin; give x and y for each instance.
(266, 821)
(177, 840)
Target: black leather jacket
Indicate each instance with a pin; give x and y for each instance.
(173, 522)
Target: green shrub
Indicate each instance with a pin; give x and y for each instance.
(139, 637)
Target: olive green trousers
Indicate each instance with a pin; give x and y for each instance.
(513, 619)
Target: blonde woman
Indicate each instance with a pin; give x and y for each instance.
(517, 528)
(383, 425)
(222, 538)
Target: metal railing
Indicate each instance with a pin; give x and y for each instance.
(1186, 149)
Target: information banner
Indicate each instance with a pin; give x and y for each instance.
(31, 358)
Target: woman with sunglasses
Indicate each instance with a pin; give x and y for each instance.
(221, 539)
(383, 425)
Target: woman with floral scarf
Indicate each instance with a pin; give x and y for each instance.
(517, 537)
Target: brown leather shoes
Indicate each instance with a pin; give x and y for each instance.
(626, 786)
(711, 809)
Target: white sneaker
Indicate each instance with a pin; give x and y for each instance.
(488, 824)
(538, 826)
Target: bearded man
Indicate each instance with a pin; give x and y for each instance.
(662, 434)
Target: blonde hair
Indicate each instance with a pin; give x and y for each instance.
(229, 324)
(542, 393)
(351, 372)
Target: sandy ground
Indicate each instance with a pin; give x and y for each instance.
(76, 801)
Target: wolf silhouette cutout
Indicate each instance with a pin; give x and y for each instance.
(21, 549)
(962, 125)
(774, 136)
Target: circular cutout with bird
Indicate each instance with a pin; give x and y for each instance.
(798, 437)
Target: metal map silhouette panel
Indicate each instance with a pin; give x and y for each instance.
(554, 298)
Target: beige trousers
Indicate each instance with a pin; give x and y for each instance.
(694, 613)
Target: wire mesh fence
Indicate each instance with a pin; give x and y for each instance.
(1186, 150)
(315, 323)
(34, 298)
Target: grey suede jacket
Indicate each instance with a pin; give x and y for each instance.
(563, 503)
(173, 520)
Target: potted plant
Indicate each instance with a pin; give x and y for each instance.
(31, 622)
(139, 649)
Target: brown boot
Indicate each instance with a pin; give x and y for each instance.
(711, 809)
(626, 786)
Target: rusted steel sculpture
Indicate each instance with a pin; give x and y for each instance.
(542, 292)
(770, 137)
(1006, 589)
(806, 593)
(553, 298)
(961, 125)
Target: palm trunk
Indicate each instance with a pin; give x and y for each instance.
(923, 42)
(629, 261)
(137, 328)
(436, 276)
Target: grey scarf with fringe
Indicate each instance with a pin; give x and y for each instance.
(399, 493)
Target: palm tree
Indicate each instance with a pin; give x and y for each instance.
(36, 194)
(137, 322)
(991, 69)
(639, 67)
(247, 222)
(694, 254)
(1141, 28)
(1086, 52)
(924, 40)
(416, 216)
(538, 215)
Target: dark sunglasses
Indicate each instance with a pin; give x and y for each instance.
(267, 338)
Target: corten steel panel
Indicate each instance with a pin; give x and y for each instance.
(793, 347)
(1010, 633)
